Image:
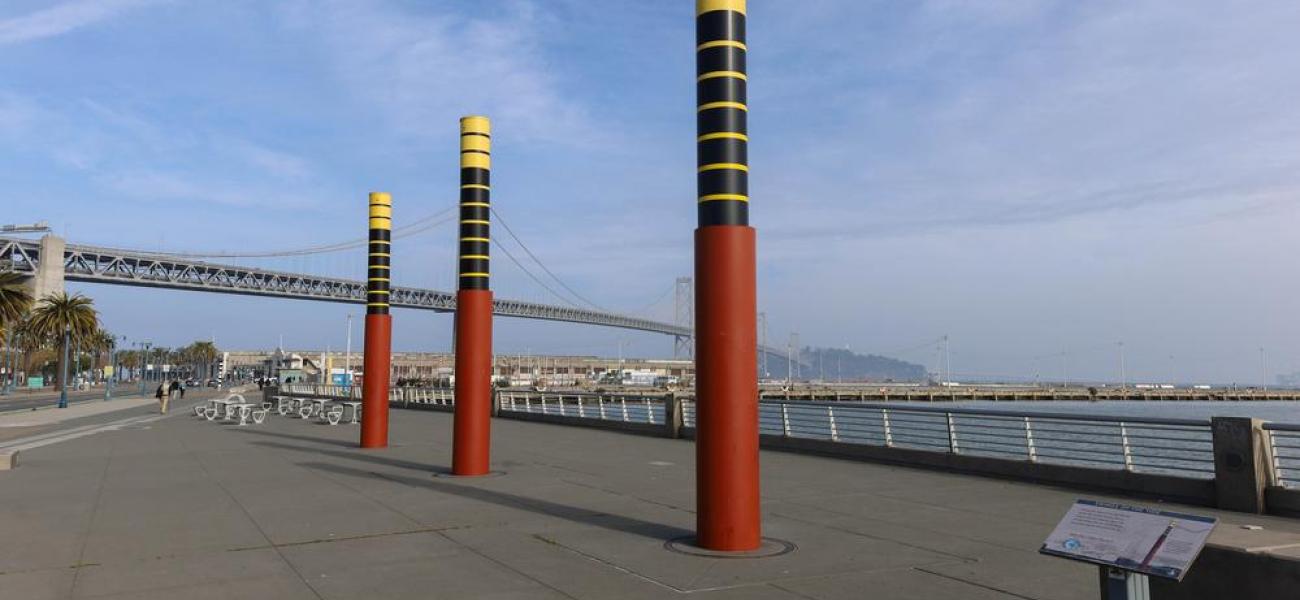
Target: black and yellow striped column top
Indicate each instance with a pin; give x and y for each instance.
(723, 140)
(475, 210)
(378, 262)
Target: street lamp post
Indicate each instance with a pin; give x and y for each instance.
(144, 363)
(63, 369)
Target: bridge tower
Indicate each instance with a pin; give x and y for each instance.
(379, 325)
(48, 278)
(471, 438)
(684, 345)
(726, 311)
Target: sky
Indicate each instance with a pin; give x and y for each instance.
(1039, 181)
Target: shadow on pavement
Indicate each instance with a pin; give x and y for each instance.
(655, 531)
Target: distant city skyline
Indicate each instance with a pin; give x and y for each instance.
(1037, 181)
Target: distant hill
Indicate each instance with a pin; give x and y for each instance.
(838, 363)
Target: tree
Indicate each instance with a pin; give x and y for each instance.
(15, 300)
(62, 313)
(204, 353)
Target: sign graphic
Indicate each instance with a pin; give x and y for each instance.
(1133, 538)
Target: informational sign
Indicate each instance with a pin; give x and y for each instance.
(35, 382)
(1133, 538)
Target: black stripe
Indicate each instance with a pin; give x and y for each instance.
(476, 175)
(483, 152)
(723, 150)
(720, 89)
(469, 247)
(474, 195)
(479, 213)
(372, 272)
(474, 230)
(719, 58)
(473, 283)
(377, 286)
(381, 234)
(717, 120)
(385, 247)
(473, 265)
(723, 181)
(488, 136)
(376, 310)
(719, 25)
(382, 261)
(723, 212)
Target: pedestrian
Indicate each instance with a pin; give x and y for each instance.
(181, 388)
(161, 394)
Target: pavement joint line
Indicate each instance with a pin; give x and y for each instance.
(616, 567)
(920, 527)
(348, 538)
(90, 522)
(628, 496)
(977, 584)
(502, 564)
(964, 559)
(216, 481)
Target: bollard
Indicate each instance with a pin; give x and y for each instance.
(472, 428)
(726, 312)
(379, 325)
(1243, 464)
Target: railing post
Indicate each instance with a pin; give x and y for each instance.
(889, 430)
(673, 416)
(952, 433)
(1243, 463)
(1031, 450)
(830, 417)
(785, 419)
(1128, 451)
(600, 403)
(582, 413)
(623, 400)
(649, 412)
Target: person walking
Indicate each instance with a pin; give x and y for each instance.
(161, 394)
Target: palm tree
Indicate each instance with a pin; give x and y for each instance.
(204, 353)
(60, 316)
(14, 297)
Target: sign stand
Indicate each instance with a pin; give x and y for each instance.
(1128, 544)
(1118, 584)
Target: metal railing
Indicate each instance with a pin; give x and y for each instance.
(626, 408)
(1284, 441)
(1182, 447)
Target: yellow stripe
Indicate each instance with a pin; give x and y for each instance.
(475, 142)
(381, 267)
(381, 242)
(474, 186)
(723, 135)
(475, 204)
(381, 210)
(475, 240)
(703, 6)
(471, 160)
(381, 223)
(475, 124)
(715, 74)
(378, 279)
(384, 292)
(476, 256)
(380, 254)
(709, 105)
(718, 166)
(381, 198)
(473, 274)
(475, 222)
(715, 197)
(384, 304)
(721, 43)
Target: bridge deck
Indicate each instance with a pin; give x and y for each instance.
(181, 508)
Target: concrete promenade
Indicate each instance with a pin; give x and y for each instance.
(184, 508)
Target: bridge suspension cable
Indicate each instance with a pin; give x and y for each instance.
(521, 243)
(418, 226)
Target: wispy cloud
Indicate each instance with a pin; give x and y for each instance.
(63, 18)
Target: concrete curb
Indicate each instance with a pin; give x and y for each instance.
(8, 460)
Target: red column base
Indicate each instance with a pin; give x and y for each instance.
(472, 434)
(374, 386)
(728, 514)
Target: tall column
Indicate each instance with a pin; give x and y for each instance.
(471, 445)
(379, 325)
(726, 379)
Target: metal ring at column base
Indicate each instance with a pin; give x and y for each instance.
(770, 547)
